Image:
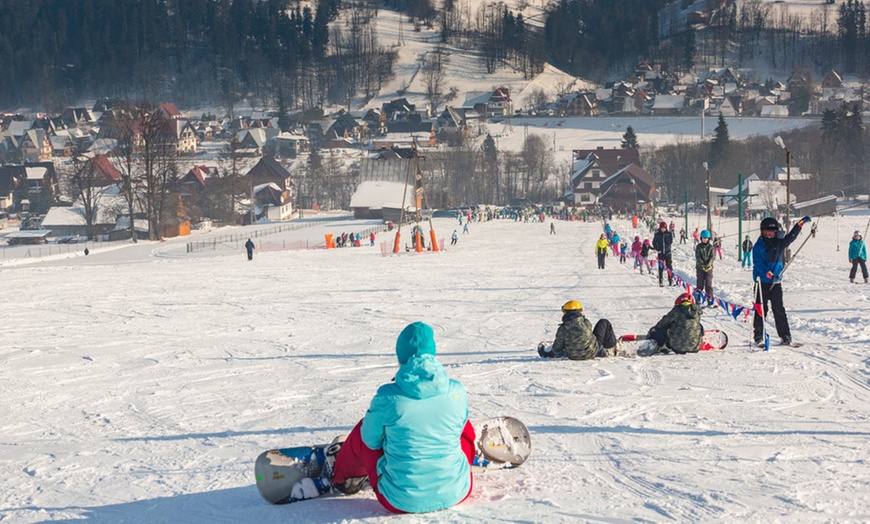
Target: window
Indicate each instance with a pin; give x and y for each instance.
(587, 185)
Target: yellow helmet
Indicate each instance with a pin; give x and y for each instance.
(572, 305)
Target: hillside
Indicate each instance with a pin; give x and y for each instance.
(463, 70)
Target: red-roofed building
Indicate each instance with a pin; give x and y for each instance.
(106, 173)
(170, 112)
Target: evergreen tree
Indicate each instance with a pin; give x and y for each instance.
(320, 30)
(689, 48)
(720, 143)
(629, 139)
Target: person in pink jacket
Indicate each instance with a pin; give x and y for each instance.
(636, 248)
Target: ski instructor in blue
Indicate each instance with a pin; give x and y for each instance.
(767, 266)
(415, 443)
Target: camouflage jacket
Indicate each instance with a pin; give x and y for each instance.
(574, 338)
(704, 255)
(683, 325)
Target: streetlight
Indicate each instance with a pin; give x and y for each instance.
(778, 141)
(709, 217)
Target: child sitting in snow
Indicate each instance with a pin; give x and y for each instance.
(577, 339)
(417, 423)
(680, 330)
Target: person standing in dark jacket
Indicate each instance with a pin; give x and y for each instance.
(249, 247)
(705, 253)
(747, 253)
(768, 256)
(662, 242)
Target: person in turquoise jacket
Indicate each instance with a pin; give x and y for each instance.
(858, 257)
(415, 443)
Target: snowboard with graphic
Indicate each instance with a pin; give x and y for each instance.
(293, 474)
(713, 339)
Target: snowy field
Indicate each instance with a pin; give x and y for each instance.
(139, 384)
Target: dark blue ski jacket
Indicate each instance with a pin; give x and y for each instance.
(768, 255)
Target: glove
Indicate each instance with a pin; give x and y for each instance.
(769, 275)
(850, 260)
(804, 220)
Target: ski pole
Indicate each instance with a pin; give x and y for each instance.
(792, 258)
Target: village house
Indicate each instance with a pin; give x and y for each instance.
(287, 145)
(631, 188)
(577, 104)
(35, 146)
(591, 167)
(668, 105)
(269, 170)
(272, 203)
(832, 80)
(493, 104)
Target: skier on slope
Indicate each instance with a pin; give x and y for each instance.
(249, 247)
(857, 257)
(577, 339)
(601, 248)
(705, 253)
(636, 248)
(662, 242)
(680, 330)
(768, 255)
(644, 254)
(614, 243)
(747, 252)
(415, 442)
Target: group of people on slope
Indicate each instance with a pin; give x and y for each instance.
(680, 331)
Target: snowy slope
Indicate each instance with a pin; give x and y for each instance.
(139, 384)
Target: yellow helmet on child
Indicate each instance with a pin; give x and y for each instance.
(572, 305)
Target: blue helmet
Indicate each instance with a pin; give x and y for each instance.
(705, 234)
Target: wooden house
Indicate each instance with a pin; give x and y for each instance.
(269, 170)
(631, 188)
(591, 167)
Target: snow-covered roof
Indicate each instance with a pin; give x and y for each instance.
(473, 98)
(35, 173)
(377, 194)
(669, 102)
(774, 110)
(109, 205)
(19, 127)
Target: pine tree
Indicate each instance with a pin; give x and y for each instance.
(629, 139)
(721, 141)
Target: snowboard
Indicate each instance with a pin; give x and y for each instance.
(713, 339)
(294, 474)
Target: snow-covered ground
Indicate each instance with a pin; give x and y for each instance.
(139, 384)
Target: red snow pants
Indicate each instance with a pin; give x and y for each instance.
(355, 459)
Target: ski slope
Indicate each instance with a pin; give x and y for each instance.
(139, 384)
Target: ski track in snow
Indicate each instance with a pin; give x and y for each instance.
(139, 384)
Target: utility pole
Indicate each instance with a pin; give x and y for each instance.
(686, 211)
(778, 140)
(709, 217)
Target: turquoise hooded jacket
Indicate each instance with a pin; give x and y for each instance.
(417, 420)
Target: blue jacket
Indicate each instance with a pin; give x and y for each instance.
(769, 255)
(857, 249)
(417, 421)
